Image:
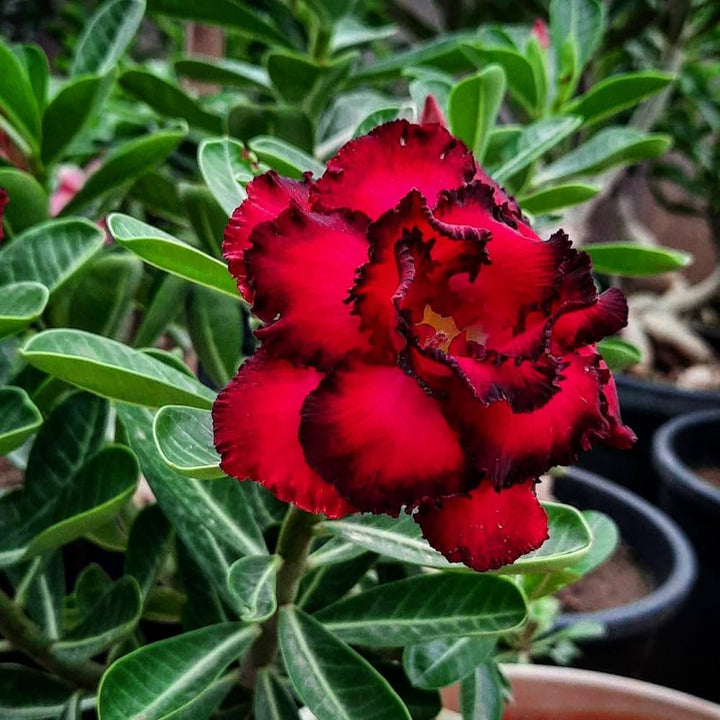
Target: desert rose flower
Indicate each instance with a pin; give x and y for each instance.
(423, 349)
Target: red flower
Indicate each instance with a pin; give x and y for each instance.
(3, 203)
(540, 31)
(423, 348)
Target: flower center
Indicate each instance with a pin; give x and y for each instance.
(438, 331)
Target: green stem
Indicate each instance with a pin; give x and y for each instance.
(26, 637)
(36, 567)
(293, 547)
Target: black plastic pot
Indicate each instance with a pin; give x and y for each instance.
(634, 637)
(688, 442)
(645, 406)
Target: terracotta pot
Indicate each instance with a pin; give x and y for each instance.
(552, 693)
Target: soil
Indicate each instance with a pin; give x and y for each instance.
(709, 474)
(618, 581)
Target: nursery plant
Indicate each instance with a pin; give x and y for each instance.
(345, 518)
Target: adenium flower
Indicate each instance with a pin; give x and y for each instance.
(423, 349)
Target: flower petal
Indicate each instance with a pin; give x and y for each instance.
(301, 268)
(487, 528)
(256, 420)
(374, 434)
(267, 196)
(373, 172)
(510, 446)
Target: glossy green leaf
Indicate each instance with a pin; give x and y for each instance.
(334, 681)
(184, 438)
(285, 122)
(378, 117)
(521, 80)
(69, 113)
(19, 418)
(225, 170)
(426, 607)
(169, 100)
(215, 324)
(473, 107)
(481, 694)
(633, 260)
(148, 545)
(438, 663)
(165, 304)
(349, 32)
(285, 158)
(335, 550)
(46, 594)
(271, 699)
(251, 582)
(207, 218)
(535, 140)
(215, 519)
(614, 94)
(610, 147)
(619, 354)
(17, 98)
(113, 616)
(90, 586)
(124, 164)
(557, 198)
(20, 304)
(107, 36)
(160, 679)
(113, 370)
(159, 193)
(606, 538)
(28, 201)
(50, 253)
(37, 69)
(27, 694)
(231, 14)
(224, 71)
(162, 250)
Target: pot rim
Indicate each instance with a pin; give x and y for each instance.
(642, 614)
(664, 388)
(670, 466)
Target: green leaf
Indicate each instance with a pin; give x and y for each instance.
(46, 595)
(19, 418)
(285, 122)
(107, 36)
(162, 309)
(349, 32)
(378, 117)
(113, 616)
(162, 250)
(235, 16)
(335, 550)
(481, 694)
(30, 694)
(20, 304)
(519, 73)
(207, 218)
(610, 147)
(614, 94)
(37, 69)
(633, 260)
(184, 438)
(285, 158)
(69, 113)
(113, 370)
(50, 253)
(473, 107)
(576, 29)
(606, 537)
(101, 297)
(224, 71)
(17, 98)
(331, 678)
(251, 582)
(159, 193)
(225, 170)
(215, 324)
(535, 140)
(148, 545)
(426, 607)
(28, 202)
(324, 585)
(272, 700)
(557, 198)
(438, 663)
(169, 100)
(212, 518)
(124, 164)
(159, 680)
(619, 354)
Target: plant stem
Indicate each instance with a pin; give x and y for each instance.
(26, 637)
(293, 547)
